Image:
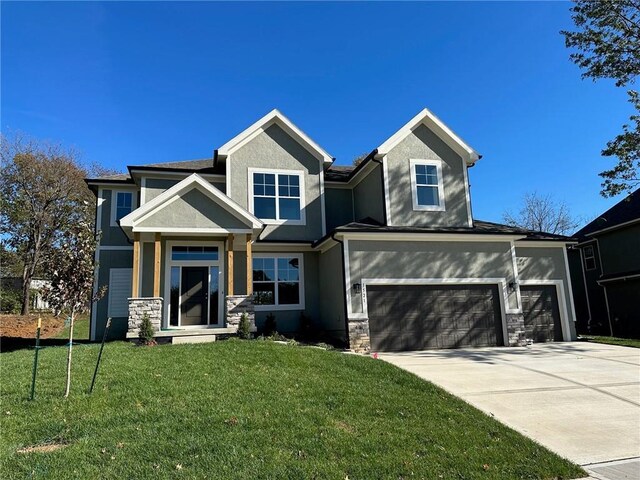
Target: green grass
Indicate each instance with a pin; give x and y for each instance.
(80, 329)
(249, 409)
(625, 342)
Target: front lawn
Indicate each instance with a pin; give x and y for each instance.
(240, 409)
(625, 342)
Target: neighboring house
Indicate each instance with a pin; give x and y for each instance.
(385, 255)
(37, 287)
(605, 267)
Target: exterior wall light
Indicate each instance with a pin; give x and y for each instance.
(357, 288)
(512, 286)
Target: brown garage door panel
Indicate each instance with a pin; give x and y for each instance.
(541, 313)
(416, 317)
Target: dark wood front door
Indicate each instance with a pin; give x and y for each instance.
(193, 304)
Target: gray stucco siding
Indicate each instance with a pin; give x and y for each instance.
(332, 304)
(155, 186)
(546, 263)
(428, 260)
(193, 210)
(339, 206)
(275, 149)
(368, 197)
(110, 235)
(109, 259)
(423, 144)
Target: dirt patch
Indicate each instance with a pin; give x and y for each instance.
(46, 448)
(17, 326)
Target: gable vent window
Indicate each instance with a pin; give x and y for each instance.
(589, 258)
(426, 183)
(277, 197)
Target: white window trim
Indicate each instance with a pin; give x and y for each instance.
(114, 196)
(591, 257)
(271, 221)
(169, 263)
(414, 190)
(276, 307)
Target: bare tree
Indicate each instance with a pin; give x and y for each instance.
(41, 189)
(71, 270)
(542, 213)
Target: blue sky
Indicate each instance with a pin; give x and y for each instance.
(135, 83)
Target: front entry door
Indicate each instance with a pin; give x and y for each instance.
(193, 304)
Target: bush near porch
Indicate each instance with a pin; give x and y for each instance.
(248, 409)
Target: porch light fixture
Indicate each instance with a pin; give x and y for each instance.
(512, 286)
(357, 288)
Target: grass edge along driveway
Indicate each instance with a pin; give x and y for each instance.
(247, 409)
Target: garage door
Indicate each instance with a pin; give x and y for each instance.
(541, 313)
(417, 317)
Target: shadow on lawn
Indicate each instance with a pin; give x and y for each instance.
(11, 344)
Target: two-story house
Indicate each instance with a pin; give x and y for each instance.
(606, 271)
(385, 255)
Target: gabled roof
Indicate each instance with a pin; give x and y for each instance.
(425, 117)
(129, 222)
(625, 211)
(274, 117)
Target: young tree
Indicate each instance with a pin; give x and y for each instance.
(71, 270)
(541, 213)
(608, 46)
(41, 193)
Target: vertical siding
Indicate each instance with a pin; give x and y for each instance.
(332, 304)
(368, 197)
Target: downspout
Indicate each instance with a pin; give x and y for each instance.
(384, 203)
(344, 282)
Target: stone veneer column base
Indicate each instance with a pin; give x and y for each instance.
(515, 330)
(359, 340)
(141, 306)
(236, 305)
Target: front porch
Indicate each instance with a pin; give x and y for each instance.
(200, 287)
(192, 262)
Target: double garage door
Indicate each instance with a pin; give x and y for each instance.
(418, 317)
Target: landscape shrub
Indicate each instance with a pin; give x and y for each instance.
(244, 327)
(270, 325)
(146, 331)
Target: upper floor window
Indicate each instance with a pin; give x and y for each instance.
(122, 205)
(277, 196)
(589, 257)
(426, 184)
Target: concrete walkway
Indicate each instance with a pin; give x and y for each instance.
(581, 400)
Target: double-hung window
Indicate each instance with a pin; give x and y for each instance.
(589, 257)
(122, 205)
(426, 185)
(277, 196)
(277, 281)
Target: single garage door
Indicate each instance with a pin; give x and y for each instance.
(417, 317)
(541, 313)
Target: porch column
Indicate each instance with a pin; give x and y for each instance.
(230, 265)
(249, 266)
(135, 280)
(156, 266)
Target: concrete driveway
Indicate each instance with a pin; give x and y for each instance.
(581, 400)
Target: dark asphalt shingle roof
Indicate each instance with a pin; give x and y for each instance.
(624, 211)
(368, 225)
